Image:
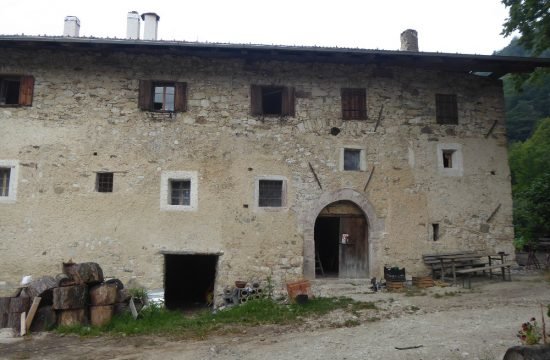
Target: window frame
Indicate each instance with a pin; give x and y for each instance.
(13, 166)
(26, 89)
(284, 192)
(147, 95)
(288, 100)
(446, 109)
(362, 158)
(457, 166)
(99, 182)
(166, 179)
(354, 103)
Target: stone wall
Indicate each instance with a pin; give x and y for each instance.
(85, 119)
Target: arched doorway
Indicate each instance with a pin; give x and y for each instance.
(341, 241)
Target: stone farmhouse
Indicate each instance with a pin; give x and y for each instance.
(187, 166)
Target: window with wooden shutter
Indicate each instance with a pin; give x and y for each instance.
(16, 90)
(354, 104)
(446, 108)
(272, 100)
(162, 96)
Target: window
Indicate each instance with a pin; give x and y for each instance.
(179, 191)
(446, 109)
(270, 192)
(162, 96)
(272, 100)
(449, 159)
(104, 182)
(8, 180)
(352, 158)
(16, 90)
(435, 232)
(354, 104)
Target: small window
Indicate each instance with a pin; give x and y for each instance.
(180, 192)
(354, 104)
(352, 159)
(272, 100)
(16, 90)
(5, 181)
(104, 182)
(446, 109)
(270, 193)
(448, 158)
(435, 232)
(162, 96)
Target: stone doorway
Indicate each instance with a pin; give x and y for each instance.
(341, 241)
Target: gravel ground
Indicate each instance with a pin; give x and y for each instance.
(441, 323)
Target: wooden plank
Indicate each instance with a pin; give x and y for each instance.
(491, 129)
(32, 312)
(23, 328)
(133, 308)
(493, 213)
(315, 176)
(370, 177)
(379, 117)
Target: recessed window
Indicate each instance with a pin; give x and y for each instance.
(271, 193)
(448, 158)
(352, 159)
(104, 182)
(16, 90)
(8, 180)
(354, 104)
(435, 232)
(162, 96)
(272, 100)
(446, 109)
(179, 191)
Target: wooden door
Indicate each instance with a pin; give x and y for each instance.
(353, 252)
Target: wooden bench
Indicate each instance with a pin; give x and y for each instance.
(452, 262)
(505, 268)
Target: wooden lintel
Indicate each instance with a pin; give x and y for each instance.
(491, 129)
(370, 177)
(493, 213)
(315, 176)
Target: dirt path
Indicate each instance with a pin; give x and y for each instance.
(448, 323)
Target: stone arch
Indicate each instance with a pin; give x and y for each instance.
(375, 227)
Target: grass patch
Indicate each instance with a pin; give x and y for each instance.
(156, 320)
(415, 292)
(447, 294)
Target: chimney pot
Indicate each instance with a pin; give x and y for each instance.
(409, 40)
(133, 25)
(151, 25)
(72, 26)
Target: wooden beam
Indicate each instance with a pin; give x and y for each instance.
(22, 324)
(493, 213)
(32, 312)
(370, 177)
(315, 175)
(379, 117)
(491, 129)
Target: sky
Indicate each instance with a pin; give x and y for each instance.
(451, 26)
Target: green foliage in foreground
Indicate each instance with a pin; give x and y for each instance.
(160, 321)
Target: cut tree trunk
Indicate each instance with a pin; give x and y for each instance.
(103, 294)
(121, 308)
(72, 317)
(41, 287)
(20, 304)
(64, 280)
(101, 315)
(123, 296)
(84, 273)
(70, 297)
(44, 319)
(14, 320)
(4, 311)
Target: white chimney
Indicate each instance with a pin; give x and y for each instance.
(151, 25)
(409, 40)
(72, 26)
(132, 28)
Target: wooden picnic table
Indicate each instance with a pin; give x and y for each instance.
(460, 259)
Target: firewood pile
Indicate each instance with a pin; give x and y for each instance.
(78, 296)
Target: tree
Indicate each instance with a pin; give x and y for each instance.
(532, 19)
(530, 165)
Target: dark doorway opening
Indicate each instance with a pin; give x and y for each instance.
(327, 232)
(189, 280)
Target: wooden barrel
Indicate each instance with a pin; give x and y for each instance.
(423, 281)
(395, 285)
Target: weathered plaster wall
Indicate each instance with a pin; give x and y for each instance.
(86, 104)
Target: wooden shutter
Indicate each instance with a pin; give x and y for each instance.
(354, 104)
(361, 104)
(256, 100)
(145, 101)
(288, 102)
(180, 101)
(345, 94)
(26, 89)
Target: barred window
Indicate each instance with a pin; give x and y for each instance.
(5, 181)
(180, 192)
(354, 104)
(446, 109)
(270, 193)
(104, 182)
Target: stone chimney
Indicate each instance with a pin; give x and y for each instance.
(151, 26)
(72, 26)
(133, 25)
(409, 40)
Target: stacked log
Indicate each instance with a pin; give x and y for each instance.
(102, 298)
(17, 306)
(70, 303)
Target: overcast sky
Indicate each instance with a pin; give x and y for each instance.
(454, 26)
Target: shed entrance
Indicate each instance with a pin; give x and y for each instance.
(341, 241)
(189, 280)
